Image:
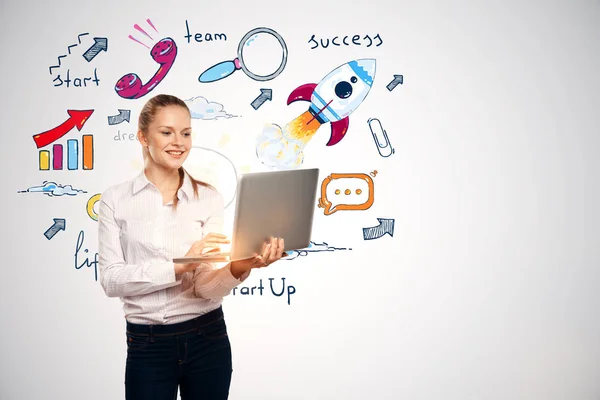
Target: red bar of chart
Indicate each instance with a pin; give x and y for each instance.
(57, 153)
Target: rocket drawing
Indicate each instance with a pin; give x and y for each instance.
(332, 100)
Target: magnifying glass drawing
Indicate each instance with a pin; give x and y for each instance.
(254, 39)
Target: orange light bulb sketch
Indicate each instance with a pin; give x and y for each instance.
(346, 192)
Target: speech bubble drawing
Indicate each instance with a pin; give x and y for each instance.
(346, 192)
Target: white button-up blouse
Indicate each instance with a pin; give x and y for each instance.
(138, 238)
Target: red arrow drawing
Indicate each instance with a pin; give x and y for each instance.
(77, 119)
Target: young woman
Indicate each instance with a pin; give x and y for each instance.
(176, 332)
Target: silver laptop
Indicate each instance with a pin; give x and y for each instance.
(270, 204)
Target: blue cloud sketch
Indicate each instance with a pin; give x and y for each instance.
(312, 248)
(53, 189)
(201, 108)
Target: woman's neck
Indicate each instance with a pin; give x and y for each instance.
(165, 180)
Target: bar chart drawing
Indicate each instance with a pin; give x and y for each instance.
(78, 154)
(58, 161)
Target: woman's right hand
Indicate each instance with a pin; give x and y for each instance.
(272, 251)
(211, 240)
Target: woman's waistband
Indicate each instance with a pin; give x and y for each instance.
(177, 328)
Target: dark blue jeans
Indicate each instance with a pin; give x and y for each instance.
(194, 356)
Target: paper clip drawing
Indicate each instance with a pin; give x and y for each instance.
(384, 147)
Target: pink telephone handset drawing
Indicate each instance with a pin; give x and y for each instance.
(130, 85)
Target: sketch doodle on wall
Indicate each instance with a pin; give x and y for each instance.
(201, 108)
(58, 64)
(77, 80)
(90, 206)
(123, 115)
(265, 94)
(86, 262)
(346, 192)
(100, 44)
(206, 37)
(52, 189)
(313, 247)
(77, 119)
(384, 147)
(60, 224)
(346, 40)
(398, 80)
(332, 100)
(262, 55)
(257, 290)
(386, 226)
(164, 52)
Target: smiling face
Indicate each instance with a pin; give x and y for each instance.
(168, 137)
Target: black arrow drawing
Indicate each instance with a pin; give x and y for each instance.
(397, 81)
(265, 94)
(117, 119)
(99, 45)
(59, 225)
(386, 225)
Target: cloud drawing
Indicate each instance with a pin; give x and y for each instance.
(53, 189)
(201, 108)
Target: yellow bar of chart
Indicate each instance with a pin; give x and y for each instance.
(44, 160)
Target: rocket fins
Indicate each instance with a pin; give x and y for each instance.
(338, 130)
(303, 92)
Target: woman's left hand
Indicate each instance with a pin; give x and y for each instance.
(272, 252)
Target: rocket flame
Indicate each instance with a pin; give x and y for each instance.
(303, 127)
(283, 148)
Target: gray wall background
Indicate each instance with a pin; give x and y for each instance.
(488, 288)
